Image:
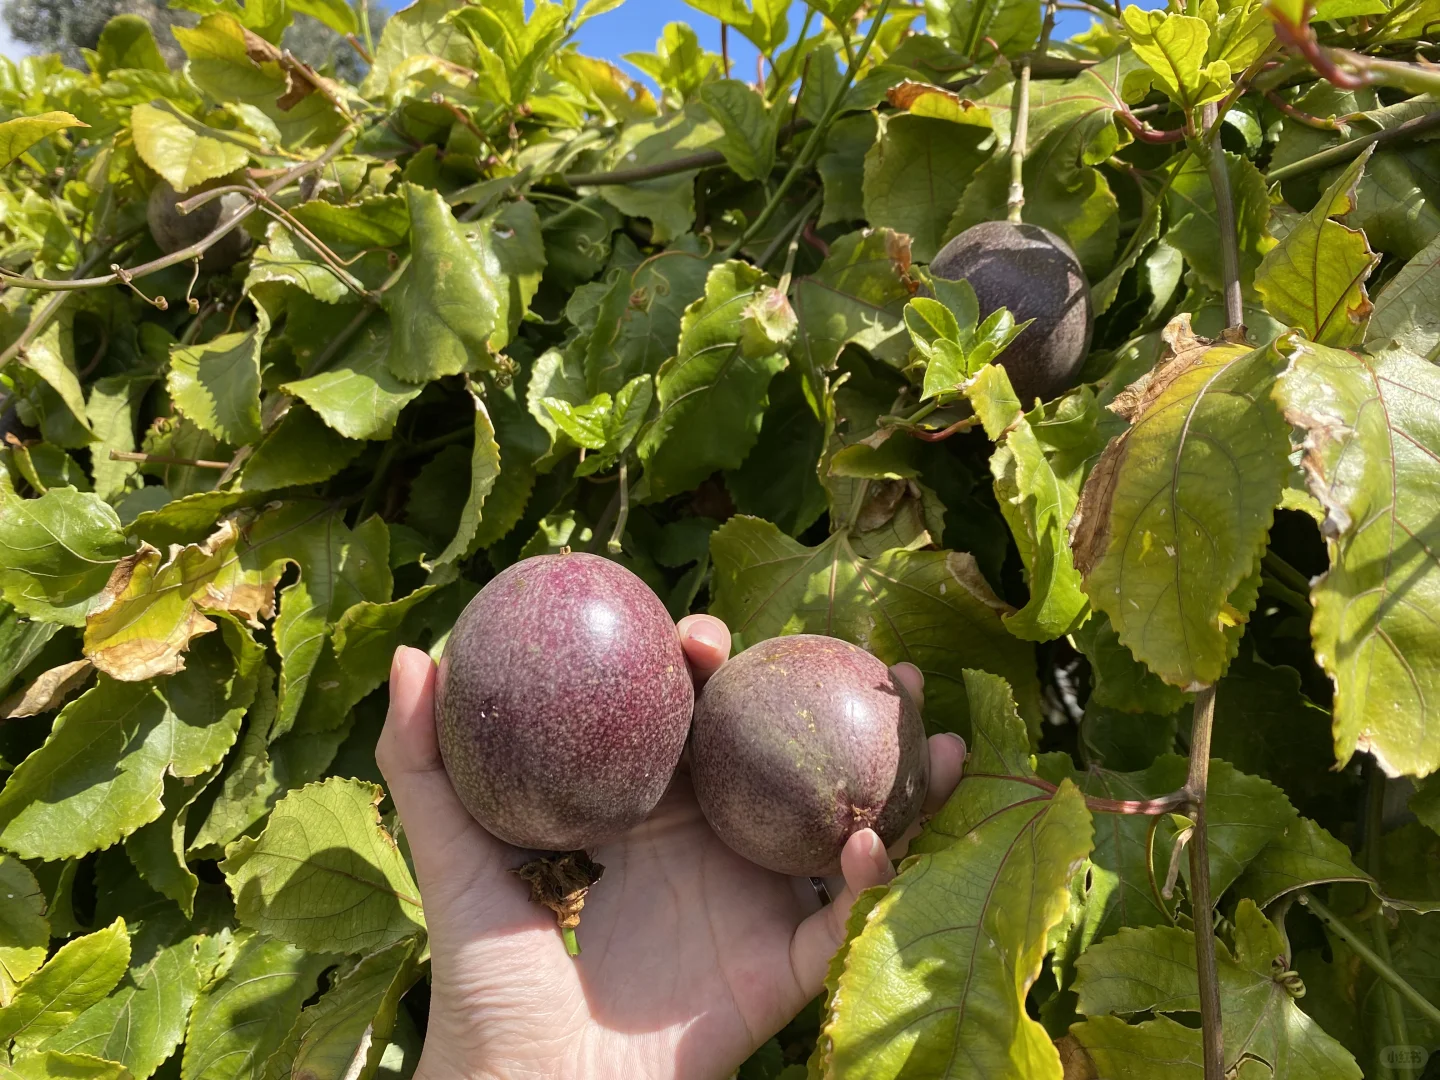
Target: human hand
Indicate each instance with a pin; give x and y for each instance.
(692, 956)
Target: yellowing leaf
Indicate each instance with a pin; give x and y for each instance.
(1314, 279)
(1174, 47)
(180, 150)
(23, 132)
(1175, 513)
(1371, 446)
(956, 940)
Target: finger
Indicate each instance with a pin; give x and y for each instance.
(706, 641)
(444, 839)
(909, 676)
(864, 863)
(947, 764)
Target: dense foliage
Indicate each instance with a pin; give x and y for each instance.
(499, 298)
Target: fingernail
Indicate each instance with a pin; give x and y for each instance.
(964, 750)
(877, 849)
(704, 633)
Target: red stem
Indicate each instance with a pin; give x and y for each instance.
(1161, 804)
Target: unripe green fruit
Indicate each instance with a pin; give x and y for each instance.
(1034, 275)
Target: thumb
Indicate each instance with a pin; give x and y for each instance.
(864, 863)
(448, 846)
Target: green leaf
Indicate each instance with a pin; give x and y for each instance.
(858, 296)
(1154, 970)
(24, 930)
(53, 1065)
(1175, 513)
(300, 449)
(80, 974)
(1303, 857)
(1195, 230)
(217, 384)
(98, 777)
(965, 924)
(446, 306)
(1174, 46)
(1121, 681)
(285, 260)
(228, 66)
(157, 850)
(338, 567)
(1370, 452)
(240, 1020)
(345, 1033)
(111, 410)
(915, 174)
(1010, 26)
(143, 1021)
(1314, 279)
(325, 874)
(51, 356)
(777, 480)
(336, 14)
(712, 393)
(357, 395)
(1406, 309)
(57, 552)
(484, 471)
(669, 201)
(1037, 495)
(182, 151)
(127, 42)
(23, 132)
(420, 29)
(749, 142)
(931, 608)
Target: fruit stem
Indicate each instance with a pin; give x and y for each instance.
(1020, 120)
(572, 943)
(616, 543)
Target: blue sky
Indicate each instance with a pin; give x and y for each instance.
(635, 26)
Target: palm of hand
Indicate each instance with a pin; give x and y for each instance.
(692, 956)
(686, 962)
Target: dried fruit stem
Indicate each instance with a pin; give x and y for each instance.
(1201, 903)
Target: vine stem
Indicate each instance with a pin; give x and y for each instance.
(128, 274)
(817, 138)
(1374, 835)
(1393, 979)
(1225, 219)
(1337, 155)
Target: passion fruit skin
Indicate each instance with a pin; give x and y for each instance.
(562, 702)
(799, 742)
(1033, 274)
(173, 230)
